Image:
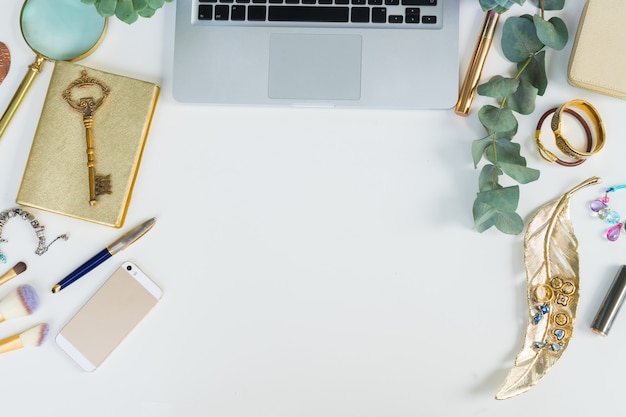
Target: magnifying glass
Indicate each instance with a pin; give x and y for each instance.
(66, 30)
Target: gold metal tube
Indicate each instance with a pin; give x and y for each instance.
(477, 63)
(23, 88)
(11, 343)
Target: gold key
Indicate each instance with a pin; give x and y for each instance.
(87, 104)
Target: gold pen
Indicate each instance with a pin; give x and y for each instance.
(477, 63)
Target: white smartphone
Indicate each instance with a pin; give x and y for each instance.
(108, 316)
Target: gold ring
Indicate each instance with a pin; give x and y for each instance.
(543, 293)
(563, 144)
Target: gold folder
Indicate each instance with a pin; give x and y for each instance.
(56, 177)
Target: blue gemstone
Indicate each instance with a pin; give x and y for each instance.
(545, 308)
(559, 333)
(537, 318)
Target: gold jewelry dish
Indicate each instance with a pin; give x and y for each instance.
(563, 144)
(552, 277)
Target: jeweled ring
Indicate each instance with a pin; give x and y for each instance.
(550, 156)
(563, 144)
(543, 293)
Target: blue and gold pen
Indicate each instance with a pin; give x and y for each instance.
(115, 247)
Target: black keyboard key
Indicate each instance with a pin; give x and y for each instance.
(396, 18)
(412, 15)
(359, 2)
(375, 2)
(308, 14)
(205, 12)
(256, 13)
(342, 1)
(221, 12)
(429, 20)
(419, 2)
(379, 15)
(276, 1)
(238, 13)
(308, 1)
(360, 15)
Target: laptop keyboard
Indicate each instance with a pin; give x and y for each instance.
(372, 13)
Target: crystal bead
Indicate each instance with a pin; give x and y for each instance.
(612, 217)
(604, 213)
(613, 233)
(596, 205)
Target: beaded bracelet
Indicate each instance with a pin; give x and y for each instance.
(39, 230)
(600, 206)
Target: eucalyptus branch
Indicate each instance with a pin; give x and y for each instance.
(127, 10)
(524, 39)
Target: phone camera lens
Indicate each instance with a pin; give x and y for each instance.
(129, 267)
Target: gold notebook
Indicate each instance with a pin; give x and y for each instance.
(60, 172)
(598, 58)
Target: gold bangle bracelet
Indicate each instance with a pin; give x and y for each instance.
(563, 144)
(550, 156)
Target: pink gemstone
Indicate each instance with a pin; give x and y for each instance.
(613, 233)
(605, 199)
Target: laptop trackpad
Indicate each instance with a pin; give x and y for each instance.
(317, 67)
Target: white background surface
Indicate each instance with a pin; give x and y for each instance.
(313, 262)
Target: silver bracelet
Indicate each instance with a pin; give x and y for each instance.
(39, 230)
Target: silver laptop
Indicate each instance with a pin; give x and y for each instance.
(355, 53)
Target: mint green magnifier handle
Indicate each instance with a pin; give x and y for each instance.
(55, 30)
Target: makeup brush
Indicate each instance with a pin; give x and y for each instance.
(13, 272)
(22, 301)
(35, 336)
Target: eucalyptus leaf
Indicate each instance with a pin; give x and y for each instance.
(521, 174)
(523, 99)
(534, 72)
(509, 223)
(484, 216)
(504, 150)
(498, 87)
(552, 33)
(549, 4)
(519, 39)
(478, 148)
(496, 119)
(503, 199)
(488, 178)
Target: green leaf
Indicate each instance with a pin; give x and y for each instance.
(484, 216)
(550, 4)
(502, 199)
(106, 8)
(88, 1)
(495, 119)
(535, 72)
(523, 100)
(519, 39)
(509, 223)
(139, 5)
(504, 150)
(147, 12)
(553, 33)
(488, 178)
(478, 148)
(497, 207)
(125, 11)
(498, 87)
(155, 4)
(521, 174)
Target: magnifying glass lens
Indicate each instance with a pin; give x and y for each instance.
(61, 29)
